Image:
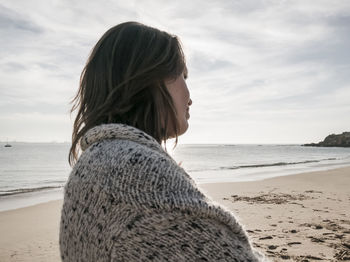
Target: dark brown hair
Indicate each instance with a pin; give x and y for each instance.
(124, 82)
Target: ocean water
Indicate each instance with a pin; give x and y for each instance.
(237, 163)
(28, 167)
(32, 173)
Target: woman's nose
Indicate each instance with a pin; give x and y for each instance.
(190, 102)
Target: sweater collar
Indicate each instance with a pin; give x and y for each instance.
(118, 131)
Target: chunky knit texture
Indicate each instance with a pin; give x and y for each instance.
(127, 200)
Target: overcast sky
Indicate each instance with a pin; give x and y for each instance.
(259, 71)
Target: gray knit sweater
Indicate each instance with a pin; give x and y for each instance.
(127, 200)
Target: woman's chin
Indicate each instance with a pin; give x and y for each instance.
(183, 128)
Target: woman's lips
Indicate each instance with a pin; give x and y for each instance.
(188, 113)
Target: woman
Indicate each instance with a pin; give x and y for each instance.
(126, 199)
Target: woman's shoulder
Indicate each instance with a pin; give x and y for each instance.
(129, 164)
(125, 154)
(135, 173)
(132, 167)
(110, 144)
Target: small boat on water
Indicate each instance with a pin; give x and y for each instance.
(7, 144)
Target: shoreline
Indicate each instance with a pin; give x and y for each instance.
(302, 217)
(23, 200)
(27, 199)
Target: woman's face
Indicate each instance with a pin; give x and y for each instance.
(182, 101)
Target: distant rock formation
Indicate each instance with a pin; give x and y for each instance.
(333, 140)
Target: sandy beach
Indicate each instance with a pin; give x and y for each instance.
(304, 217)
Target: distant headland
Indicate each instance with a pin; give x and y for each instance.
(333, 140)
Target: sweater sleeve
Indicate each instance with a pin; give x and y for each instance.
(179, 237)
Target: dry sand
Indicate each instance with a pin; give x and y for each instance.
(303, 217)
(30, 233)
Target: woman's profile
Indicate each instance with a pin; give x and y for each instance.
(126, 199)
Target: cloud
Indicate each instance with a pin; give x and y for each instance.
(16, 22)
(35, 127)
(253, 65)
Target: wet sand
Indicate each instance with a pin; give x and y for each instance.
(304, 217)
